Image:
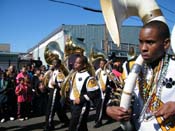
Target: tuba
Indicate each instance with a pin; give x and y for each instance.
(115, 12)
(52, 51)
(73, 46)
(94, 59)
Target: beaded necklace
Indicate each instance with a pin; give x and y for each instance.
(152, 86)
(150, 79)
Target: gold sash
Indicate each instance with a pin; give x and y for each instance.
(165, 125)
(74, 87)
(102, 84)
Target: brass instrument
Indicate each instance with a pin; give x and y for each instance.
(94, 58)
(116, 11)
(96, 55)
(116, 91)
(66, 84)
(71, 48)
(117, 81)
(47, 77)
(52, 52)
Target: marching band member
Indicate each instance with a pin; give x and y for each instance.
(83, 89)
(154, 103)
(54, 105)
(127, 65)
(105, 85)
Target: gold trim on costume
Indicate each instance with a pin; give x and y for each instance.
(74, 87)
(102, 83)
(127, 93)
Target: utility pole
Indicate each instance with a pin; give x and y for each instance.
(106, 48)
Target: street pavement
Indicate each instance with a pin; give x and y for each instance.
(37, 124)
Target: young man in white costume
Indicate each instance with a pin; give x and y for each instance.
(154, 103)
(83, 88)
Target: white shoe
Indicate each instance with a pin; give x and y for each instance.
(26, 118)
(2, 120)
(12, 118)
(21, 119)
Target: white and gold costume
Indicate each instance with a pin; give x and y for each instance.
(57, 77)
(159, 88)
(77, 82)
(85, 88)
(102, 78)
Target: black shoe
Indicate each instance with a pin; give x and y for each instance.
(98, 124)
(64, 125)
(50, 128)
(118, 129)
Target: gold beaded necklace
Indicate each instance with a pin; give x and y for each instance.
(147, 83)
(152, 86)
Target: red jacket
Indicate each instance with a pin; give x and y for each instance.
(23, 93)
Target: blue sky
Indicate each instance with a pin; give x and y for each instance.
(24, 23)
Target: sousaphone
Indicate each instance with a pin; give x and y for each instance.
(52, 51)
(116, 11)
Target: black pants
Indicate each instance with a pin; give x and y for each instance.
(24, 109)
(99, 108)
(101, 105)
(53, 106)
(79, 116)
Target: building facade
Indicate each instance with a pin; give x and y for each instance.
(89, 37)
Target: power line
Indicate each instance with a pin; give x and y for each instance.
(99, 11)
(79, 6)
(167, 9)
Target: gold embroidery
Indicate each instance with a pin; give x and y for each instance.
(60, 76)
(127, 93)
(92, 83)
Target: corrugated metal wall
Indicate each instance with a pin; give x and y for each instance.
(94, 37)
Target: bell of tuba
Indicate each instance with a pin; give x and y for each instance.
(116, 11)
(94, 59)
(73, 46)
(52, 51)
